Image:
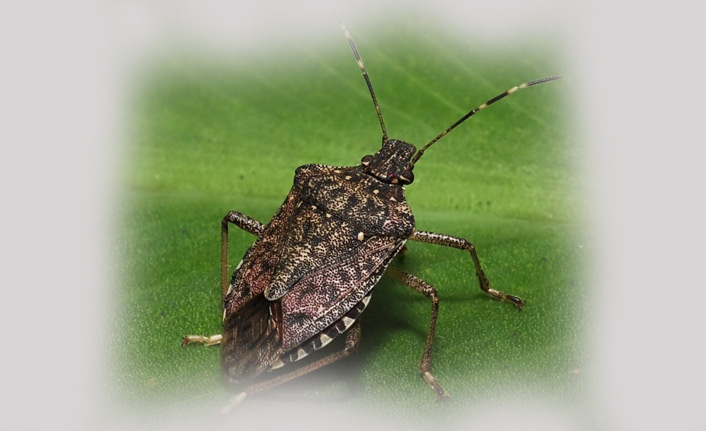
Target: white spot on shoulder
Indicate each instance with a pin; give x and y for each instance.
(376, 191)
(348, 177)
(361, 236)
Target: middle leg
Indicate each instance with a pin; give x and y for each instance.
(429, 291)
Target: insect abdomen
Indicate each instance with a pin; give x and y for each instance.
(326, 336)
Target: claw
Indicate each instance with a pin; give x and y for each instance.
(442, 398)
(431, 380)
(234, 403)
(208, 341)
(516, 301)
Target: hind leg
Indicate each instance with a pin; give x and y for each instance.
(352, 340)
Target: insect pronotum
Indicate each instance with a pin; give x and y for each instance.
(312, 269)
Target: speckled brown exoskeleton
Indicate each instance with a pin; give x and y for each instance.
(312, 270)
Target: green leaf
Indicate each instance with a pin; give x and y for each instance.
(216, 137)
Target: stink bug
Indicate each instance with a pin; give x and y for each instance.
(312, 270)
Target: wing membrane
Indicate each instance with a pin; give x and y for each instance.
(322, 296)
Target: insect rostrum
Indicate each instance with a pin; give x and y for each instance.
(312, 269)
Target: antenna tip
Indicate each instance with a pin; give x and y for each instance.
(541, 80)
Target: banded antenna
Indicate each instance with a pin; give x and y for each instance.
(479, 108)
(451, 127)
(367, 81)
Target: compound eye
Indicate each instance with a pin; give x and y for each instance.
(406, 176)
(365, 161)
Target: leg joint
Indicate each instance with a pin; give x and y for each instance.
(244, 222)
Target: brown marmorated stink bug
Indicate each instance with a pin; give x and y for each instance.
(311, 271)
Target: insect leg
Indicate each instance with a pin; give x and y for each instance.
(352, 340)
(429, 291)
(463, 244)
(247, 224)
(209, 341)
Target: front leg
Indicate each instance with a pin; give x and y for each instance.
(247, 224)
(463, 244)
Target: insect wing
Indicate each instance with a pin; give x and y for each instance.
(257, 269)
(252, 339)
(314, 239)
(322, 296)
